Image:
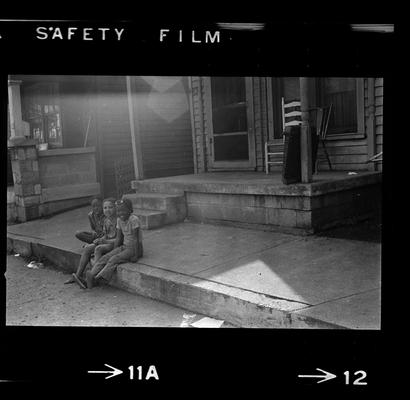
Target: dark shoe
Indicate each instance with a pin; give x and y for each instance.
(79, 281)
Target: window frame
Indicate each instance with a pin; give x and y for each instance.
(32, 91)
(213, 165)
(360, 133)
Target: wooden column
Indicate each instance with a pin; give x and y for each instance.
(305, 139)
(191, 112)
(135, 133)
(18, 127)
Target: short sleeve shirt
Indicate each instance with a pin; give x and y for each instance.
(110, 230)
(126, 227)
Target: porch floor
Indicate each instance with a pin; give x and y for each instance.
(273, 178)
(262, 183)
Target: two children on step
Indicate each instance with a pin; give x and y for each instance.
(119, 242)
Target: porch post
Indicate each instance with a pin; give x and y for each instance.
(18, 127)
(135, 133)
(24, 159)
(305, 139)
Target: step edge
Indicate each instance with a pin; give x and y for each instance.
(290, 319)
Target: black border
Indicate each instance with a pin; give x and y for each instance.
(233, 358)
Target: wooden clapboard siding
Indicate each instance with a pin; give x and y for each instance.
(76, 110)
(265, 122)
(202, 128)
(164, 120)
(113, 127)
(260, 119)
(345, 155)
(353, 153)
(378, 84)
(197, 92)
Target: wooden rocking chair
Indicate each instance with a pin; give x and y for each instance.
(322, 123)
(274, 149)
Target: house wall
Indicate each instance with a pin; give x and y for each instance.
(9, 169)
(68, 178)
(75, 102)
(352, 153)
(345, 153)
(260, 119)
(379, 118)
(112, 124)
(201, 131)
(163, 118)
(200, 146)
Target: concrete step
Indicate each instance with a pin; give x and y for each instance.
(150, 219)
(173, 205)
(151, 186)
(154, 201)
(239, 307)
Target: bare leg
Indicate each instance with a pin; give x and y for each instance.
(98, 266)
(118, 257)
(85, 258)
(89, 278)
(86, 237)
(102, 249)
(79, 282)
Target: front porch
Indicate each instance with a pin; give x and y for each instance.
(259, 201)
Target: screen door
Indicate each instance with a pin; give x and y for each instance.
(231, 138)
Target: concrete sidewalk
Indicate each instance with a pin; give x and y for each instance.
(248, 278)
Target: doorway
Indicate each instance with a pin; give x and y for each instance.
(230, 116)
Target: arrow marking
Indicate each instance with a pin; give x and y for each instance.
(327, 376)
(113, 372)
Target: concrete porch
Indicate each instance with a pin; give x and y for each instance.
(260, 201)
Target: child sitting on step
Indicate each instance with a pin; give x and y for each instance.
(96, 220)
(101, 245)
(127, 247)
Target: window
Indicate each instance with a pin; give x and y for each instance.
(42, 112)
(346, 96)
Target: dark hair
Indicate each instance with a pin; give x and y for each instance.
(125, 202)
(110, 199)
(96, 198)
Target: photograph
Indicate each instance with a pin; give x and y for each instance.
(219, 173)
(220, 201)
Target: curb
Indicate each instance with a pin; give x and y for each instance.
(240, 307)
(60, 258)
(237, 306)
